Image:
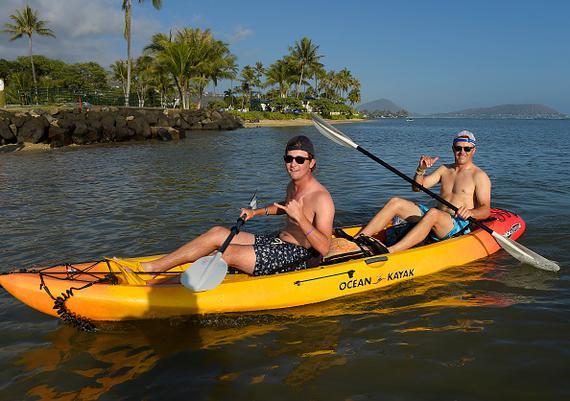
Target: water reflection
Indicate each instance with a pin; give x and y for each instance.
(430, 333)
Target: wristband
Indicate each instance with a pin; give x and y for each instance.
(266, 211)
(310, 231)
(420, 171)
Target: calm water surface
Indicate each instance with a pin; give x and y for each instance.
(490, 330)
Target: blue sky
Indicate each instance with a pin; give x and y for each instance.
(427, 56)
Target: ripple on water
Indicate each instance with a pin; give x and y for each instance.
(465, 333)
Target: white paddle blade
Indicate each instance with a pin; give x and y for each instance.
(332, 133)
(253, 202)
(525, 255)
(205, 274)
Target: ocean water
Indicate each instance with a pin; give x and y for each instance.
(490, 330)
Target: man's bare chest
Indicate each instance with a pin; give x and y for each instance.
(458, 183)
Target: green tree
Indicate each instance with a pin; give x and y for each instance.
(247, 81)
(127, 8)
(278, 74)
(142, 77)
(26, 22)
(354, 96)
(193, 57)
(304, 53)
(119, 74)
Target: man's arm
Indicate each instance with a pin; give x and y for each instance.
(319, 231)
(428, 181)
(420, 177)
(266, 210)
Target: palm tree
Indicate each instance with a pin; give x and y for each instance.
(354, 96)
(127, 7)
(119, 70)
(279, 74)
(193, 58)
(305, 54)
(26, 22)
(248, 80)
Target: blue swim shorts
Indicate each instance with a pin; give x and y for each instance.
(458, 225)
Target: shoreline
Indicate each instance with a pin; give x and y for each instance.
(42, 147)
(299, 122)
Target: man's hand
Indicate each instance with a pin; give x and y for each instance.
(247, 214)
(294, 210)
(426, 162)
(463, 213)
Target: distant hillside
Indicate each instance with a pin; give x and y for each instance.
(506, 111)
(380, 105)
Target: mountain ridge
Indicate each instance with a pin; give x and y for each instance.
(523, 110)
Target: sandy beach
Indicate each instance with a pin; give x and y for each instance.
(297, 122)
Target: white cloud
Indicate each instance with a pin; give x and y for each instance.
(85, 31)
(240, 33)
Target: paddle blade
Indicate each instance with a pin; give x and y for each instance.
(205, 274)
(525, 255)
(253, 201)
(332, 133)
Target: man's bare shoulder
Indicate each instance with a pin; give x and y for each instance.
(479, 174)
(321, 195)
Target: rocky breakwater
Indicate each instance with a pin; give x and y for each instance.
(60, 127)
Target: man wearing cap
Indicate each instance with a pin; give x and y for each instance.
(463, 184)
(310, 213)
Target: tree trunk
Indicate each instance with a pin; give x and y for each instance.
(128, 32)
(33, 68)
(300, 80)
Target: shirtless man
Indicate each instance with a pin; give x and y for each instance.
(310, 213)
(463, 184)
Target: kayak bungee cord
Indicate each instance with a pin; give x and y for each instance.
(66, 315)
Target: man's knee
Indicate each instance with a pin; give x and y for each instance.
(218, 232)
(395, 203)
(434, 215)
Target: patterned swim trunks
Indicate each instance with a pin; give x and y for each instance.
(459, 225)
(273, 255)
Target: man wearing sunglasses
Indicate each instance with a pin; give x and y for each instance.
(462, 183)
(310, 213)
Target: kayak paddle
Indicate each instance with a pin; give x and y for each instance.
(209, 271)
(516, 250)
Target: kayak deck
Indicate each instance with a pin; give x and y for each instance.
(89, 291)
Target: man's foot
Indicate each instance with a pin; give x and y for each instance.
(375, 246)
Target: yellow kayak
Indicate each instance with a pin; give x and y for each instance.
(89, 292)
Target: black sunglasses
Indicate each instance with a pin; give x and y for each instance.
(298, 159)
(467, 149)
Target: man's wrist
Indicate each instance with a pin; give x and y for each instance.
(420, 171)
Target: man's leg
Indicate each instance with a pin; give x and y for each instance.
(198, 247)
(440, 222)
(394, 207)
(241, 257)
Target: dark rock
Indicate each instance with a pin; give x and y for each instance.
(212, 125)
(34, 130)
(108, 133)
(107, 120)
(192, 116)
(58, 137)
(80, 129)
(124, 133)
(165, 133)
(5, 132)
(151, 116)
(19, 119)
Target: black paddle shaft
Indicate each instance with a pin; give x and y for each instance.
(234, 230)
(414, 183)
